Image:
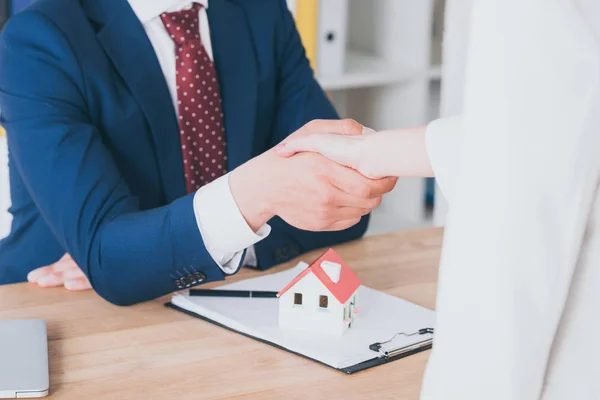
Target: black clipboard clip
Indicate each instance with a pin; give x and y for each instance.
(377, 346)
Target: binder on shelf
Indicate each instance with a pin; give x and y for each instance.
(386, 329)
(332, 34)
(307, 20)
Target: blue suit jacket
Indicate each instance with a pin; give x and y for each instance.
(95, 159)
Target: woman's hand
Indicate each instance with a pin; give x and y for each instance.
(352, 151)
(65, 272)
(393, 153)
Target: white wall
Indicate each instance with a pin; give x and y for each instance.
(4, 190)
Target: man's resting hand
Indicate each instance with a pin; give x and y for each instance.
(64, 272)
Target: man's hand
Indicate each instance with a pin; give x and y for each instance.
(307, 190)
(64, 272)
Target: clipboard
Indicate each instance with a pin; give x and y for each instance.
(378, 359)
(387, 328)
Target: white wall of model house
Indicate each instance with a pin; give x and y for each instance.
(309, 316)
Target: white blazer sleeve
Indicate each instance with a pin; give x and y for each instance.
(521, 191)
(443, 139)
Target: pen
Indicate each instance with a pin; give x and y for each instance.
(233, 293)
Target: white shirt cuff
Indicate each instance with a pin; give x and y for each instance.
(443, 139)
(224, 230)
(250, 260)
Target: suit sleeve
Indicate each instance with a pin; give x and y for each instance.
(129, 255)
(300, 99)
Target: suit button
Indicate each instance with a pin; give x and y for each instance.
(199, 277)
(178, 283)
(294, 250)
(280, 254)
(185, 281)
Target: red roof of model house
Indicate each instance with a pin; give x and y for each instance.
(346, 285)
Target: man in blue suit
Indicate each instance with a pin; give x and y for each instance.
(123, 119)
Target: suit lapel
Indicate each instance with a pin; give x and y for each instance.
(125, 42)
(123, 38)
(236, 66)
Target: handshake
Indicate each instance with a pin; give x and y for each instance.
(315, 180)
(306, 189)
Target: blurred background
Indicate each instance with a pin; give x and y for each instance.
(379, 61)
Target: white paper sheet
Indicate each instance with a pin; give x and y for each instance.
(381, 317)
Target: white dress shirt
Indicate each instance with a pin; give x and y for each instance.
(519, 281)
(223, 228)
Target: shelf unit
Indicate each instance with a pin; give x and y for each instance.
(367, 70)
(386, 84)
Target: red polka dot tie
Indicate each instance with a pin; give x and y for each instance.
(201, 127)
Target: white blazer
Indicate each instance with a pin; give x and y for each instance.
(519, 285)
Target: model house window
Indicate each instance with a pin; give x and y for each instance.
(298, 299)
(323, 301)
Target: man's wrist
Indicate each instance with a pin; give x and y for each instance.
(224, 230)
(252, 191)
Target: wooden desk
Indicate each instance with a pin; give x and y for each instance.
(100, 351)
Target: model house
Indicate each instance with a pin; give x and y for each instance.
(322, 298)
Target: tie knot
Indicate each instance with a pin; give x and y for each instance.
(182, 25)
